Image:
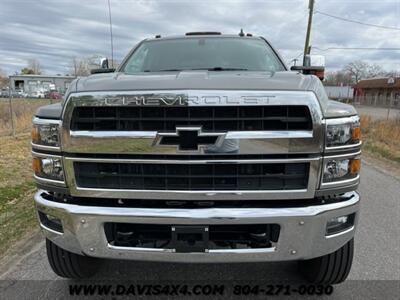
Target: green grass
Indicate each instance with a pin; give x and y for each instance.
(380, 152)
(17, 213)
(8, 194)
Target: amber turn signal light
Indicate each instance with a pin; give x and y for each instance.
(36, 165)
(35, 134)
(355, 166)
(356, 133)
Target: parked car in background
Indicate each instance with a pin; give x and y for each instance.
(37, 94)
(17, 94)
(54, 95)
(4, 94)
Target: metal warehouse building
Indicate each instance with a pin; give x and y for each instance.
(32, 83)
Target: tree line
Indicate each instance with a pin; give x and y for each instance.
(355, 71)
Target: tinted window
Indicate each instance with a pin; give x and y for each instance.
(222, 53)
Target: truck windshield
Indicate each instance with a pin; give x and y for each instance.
(203, 53)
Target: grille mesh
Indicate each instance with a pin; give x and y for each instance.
(277, 176)
(227, 118)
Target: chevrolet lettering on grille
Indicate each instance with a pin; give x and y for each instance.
(186, 100)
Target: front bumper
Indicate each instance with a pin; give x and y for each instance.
(302, 234)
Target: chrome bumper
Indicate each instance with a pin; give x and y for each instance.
(302, 234)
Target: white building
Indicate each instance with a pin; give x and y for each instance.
(43, 83)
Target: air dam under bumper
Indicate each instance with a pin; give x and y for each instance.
(302, 234)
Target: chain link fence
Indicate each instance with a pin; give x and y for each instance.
(377, 107)
(16, 114)
(388, 101)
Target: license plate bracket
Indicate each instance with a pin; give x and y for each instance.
(186, 239)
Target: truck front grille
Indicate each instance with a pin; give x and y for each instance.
(227, 118)
(227, 176)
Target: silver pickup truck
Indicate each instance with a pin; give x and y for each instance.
(198, 148)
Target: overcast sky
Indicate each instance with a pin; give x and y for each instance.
(54, 31)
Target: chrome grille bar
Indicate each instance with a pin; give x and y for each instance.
(303, 193)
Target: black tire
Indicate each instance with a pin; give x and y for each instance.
(70, 265)
(332, 268)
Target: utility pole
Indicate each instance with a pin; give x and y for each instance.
(307, 47)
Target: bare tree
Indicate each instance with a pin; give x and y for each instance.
(375, 70)
(34, 65)
(79, 67)
(359, 70)
(4, 80)
(393, 73)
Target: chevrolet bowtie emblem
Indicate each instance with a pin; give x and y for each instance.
(189, 139)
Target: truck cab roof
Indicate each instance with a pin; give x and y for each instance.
(205, 34)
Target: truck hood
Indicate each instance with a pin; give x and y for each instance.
(227, 80)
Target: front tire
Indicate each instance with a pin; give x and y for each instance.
(332, 268)
(70, 265)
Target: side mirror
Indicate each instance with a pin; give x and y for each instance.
(315, 60)
(103, 67)
(104, 63)
(314, 65)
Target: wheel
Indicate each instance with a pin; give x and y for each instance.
(332, 268)
(70, 265)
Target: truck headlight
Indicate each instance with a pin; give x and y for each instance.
(336, 169)
(343, 131)
(45, 132)
(48, 168)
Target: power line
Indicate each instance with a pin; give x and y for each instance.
(111, 35)
(357, 48)
(355, 21)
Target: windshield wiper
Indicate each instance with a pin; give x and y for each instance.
(208, 69)
(222, 69)
(166, 70)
